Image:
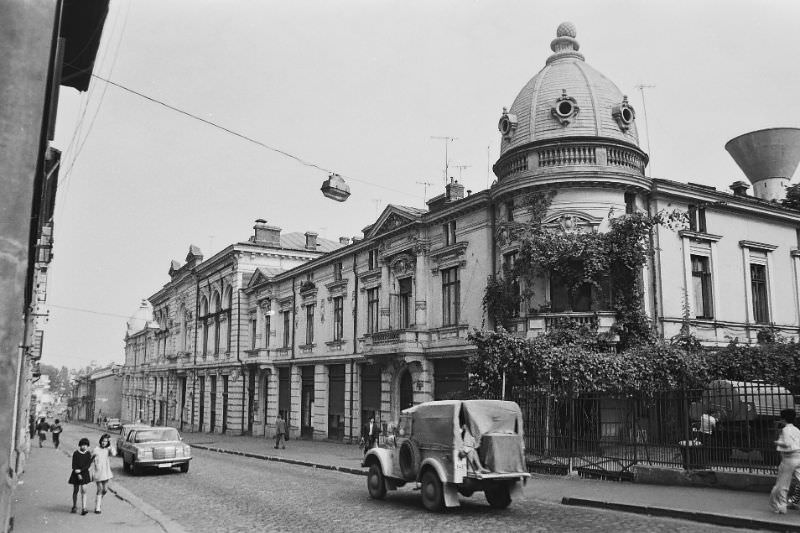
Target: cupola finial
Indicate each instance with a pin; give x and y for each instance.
(565, 45)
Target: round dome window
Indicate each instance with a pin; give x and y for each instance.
(565, 108)
(507, 124)
(624, 114)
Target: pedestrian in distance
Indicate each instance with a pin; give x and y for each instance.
(788, 445)
(32, 425)
(280, 432)
(101, 469)
(56, 430)
(369, 434)
(80, 476)
(42, 428)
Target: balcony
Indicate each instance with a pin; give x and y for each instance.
(544, 322)
(394, 340)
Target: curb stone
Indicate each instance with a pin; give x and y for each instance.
(277, 458)
(694, 516)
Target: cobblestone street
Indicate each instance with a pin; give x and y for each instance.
(232, 493)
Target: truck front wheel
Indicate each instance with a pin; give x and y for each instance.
(376, 483)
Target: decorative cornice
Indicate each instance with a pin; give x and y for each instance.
(336, 288)
(698, 236)
(764, 247)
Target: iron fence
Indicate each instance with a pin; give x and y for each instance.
(727, 426)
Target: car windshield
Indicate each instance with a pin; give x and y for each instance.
(152, 435)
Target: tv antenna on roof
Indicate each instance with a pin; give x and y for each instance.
(447, 140)
(425, 184)
(461, 168)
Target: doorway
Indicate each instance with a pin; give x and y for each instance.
(406, 390)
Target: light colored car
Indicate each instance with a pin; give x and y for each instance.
(156, 447)
(112, 424)
(125, 429)
(428, 448)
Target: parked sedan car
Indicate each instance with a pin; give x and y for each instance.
(112, 424)
(125, 430)
(156, 447)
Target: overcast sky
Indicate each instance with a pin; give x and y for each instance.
(358, 87)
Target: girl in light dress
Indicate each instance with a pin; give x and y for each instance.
(101, 468)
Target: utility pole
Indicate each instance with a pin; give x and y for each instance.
(425, 184)
(447, 140)
(641, 88)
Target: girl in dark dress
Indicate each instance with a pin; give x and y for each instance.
(79, 478)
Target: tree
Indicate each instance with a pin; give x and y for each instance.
(792, 200)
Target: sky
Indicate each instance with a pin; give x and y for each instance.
(363, 88)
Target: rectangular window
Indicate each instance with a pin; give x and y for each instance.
(630, 203)
(337, 271)
(372, 310)
(310, 324)
(405, 303)
(701, 281)
(697, 218)
(449, 233)
(451, 289)
(758, 284)
(338, 318)
(372, 260)
(267, 330)
(253, 331)
(286, 333)
(510, 212)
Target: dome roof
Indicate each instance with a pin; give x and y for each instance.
(141, 318)
(567, 98)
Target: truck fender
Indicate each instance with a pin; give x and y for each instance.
(384, 459)
(449, 490)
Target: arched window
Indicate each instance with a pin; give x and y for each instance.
(216, 308)
(182, 324)
(203, 324)
(228, 305)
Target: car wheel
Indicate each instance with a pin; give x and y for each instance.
(376, 483)
(184, 467)
(499, 496)
(432, 492)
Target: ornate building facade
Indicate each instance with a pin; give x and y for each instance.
(330, 336)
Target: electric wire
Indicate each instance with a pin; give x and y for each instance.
(249, 139)
(80, 310)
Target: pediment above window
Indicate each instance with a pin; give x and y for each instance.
(572, 222)
(449, 256)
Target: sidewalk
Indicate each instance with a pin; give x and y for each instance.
(43, 500)
(708, 505)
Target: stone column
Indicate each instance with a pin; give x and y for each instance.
(352, 400)
(384, 304)
(319, 413)
(296, 400)
(421, 290)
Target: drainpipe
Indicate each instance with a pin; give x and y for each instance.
(355, 334)
(294, 318)
(493, 240)
(655, 268)
(238, 353)
(194, 364)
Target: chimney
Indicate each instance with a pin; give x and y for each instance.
(356, 239)
(768, 158)
(265, 235)
(311, 240)
(344, 241)
(454, 190)
(739, 188)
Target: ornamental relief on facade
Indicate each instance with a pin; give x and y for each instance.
(572, 222)
(403, 265)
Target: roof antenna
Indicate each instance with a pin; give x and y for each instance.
(641, 88)
(425, 184)
(447, 140)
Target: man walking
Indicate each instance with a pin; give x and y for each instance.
(369, 434)
(56, 430)
(280, 432)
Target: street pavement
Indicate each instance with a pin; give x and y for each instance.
(244, 484)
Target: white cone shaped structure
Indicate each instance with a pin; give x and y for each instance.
(768, 158)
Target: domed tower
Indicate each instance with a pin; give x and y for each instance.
(142, 318)
(569, 124)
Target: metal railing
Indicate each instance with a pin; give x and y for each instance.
(606, 435)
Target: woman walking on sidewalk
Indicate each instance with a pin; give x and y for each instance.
(56, 430)
(80, 477)
(101, 469)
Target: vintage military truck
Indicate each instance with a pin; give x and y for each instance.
(426, 448)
